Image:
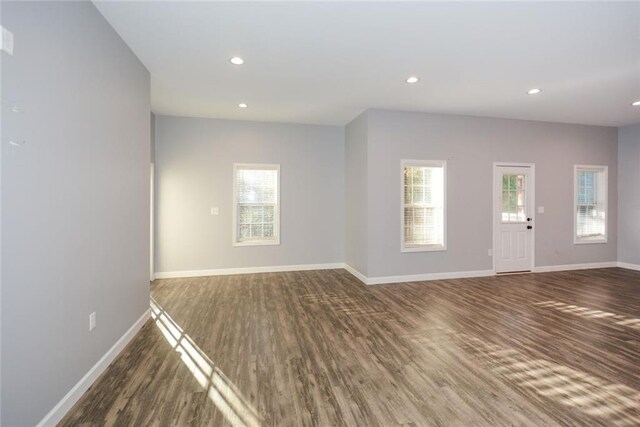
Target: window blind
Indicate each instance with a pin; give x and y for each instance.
(423, 209)
(257, 203)
(591, 209)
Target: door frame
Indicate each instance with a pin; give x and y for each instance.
(152, 196)
(494, 199)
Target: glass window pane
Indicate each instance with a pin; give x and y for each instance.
(505, 205)
(244, 215)
(424, 200)
(513, 198)
(256, 230)
(408, 175)
(417, 194)
(256, 214)
(269, 214)
(590, 204)
(417, 176)
(256, 196)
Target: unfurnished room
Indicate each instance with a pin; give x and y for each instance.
(319, 213)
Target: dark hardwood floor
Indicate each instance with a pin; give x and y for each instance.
(320, 348)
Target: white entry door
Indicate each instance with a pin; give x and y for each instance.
(513, 218)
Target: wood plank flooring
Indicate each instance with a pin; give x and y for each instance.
(320, 348)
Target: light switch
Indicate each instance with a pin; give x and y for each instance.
(214, 211)
(540, 209)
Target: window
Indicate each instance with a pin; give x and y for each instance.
(256, 205)
(513, 198)
(590, 204)
(423, 205)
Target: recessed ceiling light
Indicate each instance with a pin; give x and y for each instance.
(413, 79)
(236, 60)
(636, 104)
(242, 105)
(534, 91)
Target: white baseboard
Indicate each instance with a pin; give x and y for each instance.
(247, 270)
(480, 273)
(384, 279)
(429, 276)
(356, 273)
(416, 277)
(629, 266)
(569, 267)
(60, 410)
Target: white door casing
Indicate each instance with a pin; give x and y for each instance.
(151, 223)
(513, 216)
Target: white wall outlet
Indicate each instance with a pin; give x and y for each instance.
(6, 40)
(490, 252)
(540, 209)
(92, 321)
(215, 211)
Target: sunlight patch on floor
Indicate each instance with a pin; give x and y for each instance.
(221, 391)
(616, 404)
(589, 313)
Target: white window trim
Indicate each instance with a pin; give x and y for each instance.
(424, 163)
(276, 226)
(588, 241)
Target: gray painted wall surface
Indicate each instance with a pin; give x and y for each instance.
(75, 200)
(629, 194)
(194, 172)
(471, 145)
(356, 194)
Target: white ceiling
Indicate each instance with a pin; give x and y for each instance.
(325, 62)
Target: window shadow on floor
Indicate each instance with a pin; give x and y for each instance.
(220, 390)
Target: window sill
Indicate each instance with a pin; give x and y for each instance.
(589, 242)
(258, 243)
(423, 249)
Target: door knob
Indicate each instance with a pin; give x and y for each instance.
(529, 219)
(529, 227)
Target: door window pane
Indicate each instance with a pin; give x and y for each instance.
(513, 201)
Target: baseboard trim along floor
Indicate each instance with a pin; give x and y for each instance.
(60, 410)
(383, 279)
(247, 270)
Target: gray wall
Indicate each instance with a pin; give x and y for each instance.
(629, 194)
(356, 194)
(194, 172)
(75, 200)
(471, 145)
